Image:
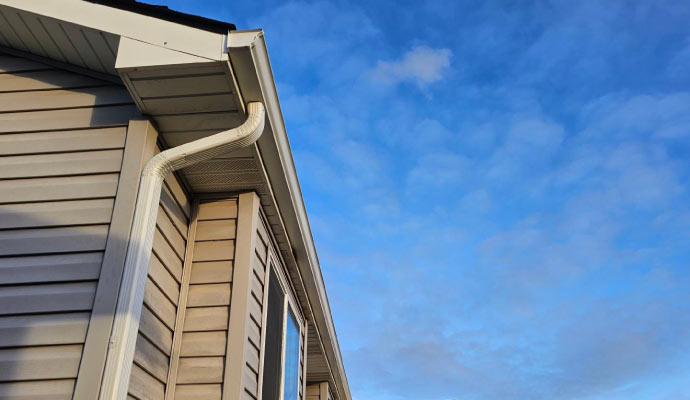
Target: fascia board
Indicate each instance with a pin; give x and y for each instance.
(279, 163)
(137, 54)
(128, 24)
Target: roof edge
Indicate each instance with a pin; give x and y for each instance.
(128, 22)
(164, 13)
(290, 201)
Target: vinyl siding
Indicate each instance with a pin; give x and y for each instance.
(319, 391)
(256, 252)
(154, 343)
(265, 246)
(62, 138)
(313, 392)
(257, 292)
(203, 340)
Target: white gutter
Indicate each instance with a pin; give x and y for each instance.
(126, 325)
(257, 84)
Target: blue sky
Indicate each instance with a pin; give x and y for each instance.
(499, 191)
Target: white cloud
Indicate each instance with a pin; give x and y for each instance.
(421, 65)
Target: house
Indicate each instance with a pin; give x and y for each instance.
(153, 239)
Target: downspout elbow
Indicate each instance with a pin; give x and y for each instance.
(159, 166)
(211, 146)
(132, 286)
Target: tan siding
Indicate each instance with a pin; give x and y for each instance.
(209, 295)
(86, 97)
(206, 319)
(77, 187)
(175, 211)
(17, 242)
(43, 329)
(45, 80)
(263, 254)
(256, 310)
(157, 324)
(164, 280)
(144, 386)
(59, 213)
(196, 392)
(37, 363)
(212, 271)
(59, 141)
(218, 250)
(215, 230)
(60, 160)
(155, 330)
(200, 370)
(61, 164)
(159, 304)
(60, 267)
(47, 298)
(151, 359)
(319, 391)
(166, 254)
(37, 390)
(73, 118)
(203, 345)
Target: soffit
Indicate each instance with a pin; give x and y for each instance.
(122, 23)
(58, 40)
(189, 95)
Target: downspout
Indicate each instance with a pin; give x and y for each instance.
(126, 325)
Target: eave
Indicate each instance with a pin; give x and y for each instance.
(223, 72)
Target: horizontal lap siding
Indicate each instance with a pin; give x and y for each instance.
(257, 278)
(205, 331)
(62, 138)
(157, 323)
(313, 392)
(263, 247)
(319, 391)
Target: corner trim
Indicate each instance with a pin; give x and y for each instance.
(247, 221)
(140, 145)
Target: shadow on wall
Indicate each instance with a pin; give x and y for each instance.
(49, 272)
(62, 140)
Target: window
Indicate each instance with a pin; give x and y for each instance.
(282, 345)
(274, 339)
(291, 357)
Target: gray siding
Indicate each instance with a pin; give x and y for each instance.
(154, 344)
(62, 137)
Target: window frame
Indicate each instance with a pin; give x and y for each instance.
(289, 300)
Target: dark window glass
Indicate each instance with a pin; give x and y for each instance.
(291, 358)
(274, 339)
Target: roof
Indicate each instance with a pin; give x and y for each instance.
(164, 13)
(194, 80)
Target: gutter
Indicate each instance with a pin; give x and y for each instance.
(128, 312)
(256, 82)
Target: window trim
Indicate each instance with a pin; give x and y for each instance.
(290, 300)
